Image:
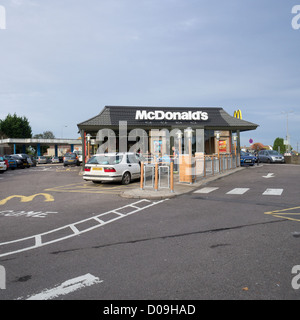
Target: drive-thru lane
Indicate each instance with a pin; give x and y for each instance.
(214, 245)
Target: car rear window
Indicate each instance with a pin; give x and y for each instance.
(1, 159)
(70, 155)
(105, 160)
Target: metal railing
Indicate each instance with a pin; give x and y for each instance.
(210, 165)
(156, 174)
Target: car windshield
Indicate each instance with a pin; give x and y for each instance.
(273, 153)
(105, 159)
(243, 153)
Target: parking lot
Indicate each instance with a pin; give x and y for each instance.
(56, 227)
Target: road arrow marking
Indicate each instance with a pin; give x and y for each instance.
(66, 287)
(269, 175)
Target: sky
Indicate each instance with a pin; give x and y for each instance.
(62, 61)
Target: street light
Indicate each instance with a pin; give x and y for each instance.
(217, 135)
(62, 131)
(179, 137)
(189, 133)
(88, 138)
(287, 129)
(234, 136)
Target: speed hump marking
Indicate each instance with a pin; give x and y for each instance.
(48, 198)
(289, 214)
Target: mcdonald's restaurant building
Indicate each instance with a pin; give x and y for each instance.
(213, 129)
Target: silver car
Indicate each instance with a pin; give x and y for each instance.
(41, 160)
(122, 167)
(270, 156)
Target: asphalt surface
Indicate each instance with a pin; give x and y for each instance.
(217, 245)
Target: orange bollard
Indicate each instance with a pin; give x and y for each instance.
(156, 177)
(142, 176)
(172, 176)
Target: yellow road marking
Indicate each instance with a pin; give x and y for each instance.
(47, 197)
(88, 188)
(284, 213)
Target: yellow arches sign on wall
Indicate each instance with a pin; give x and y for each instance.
(238, 114)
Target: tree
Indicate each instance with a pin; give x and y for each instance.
(279, 143)
(15, 127)
(258, 146)
(44, 135)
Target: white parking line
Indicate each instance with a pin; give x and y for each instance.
(206, 190)
(238, 191)
(76, 228)
(273, 192)
(66, 287)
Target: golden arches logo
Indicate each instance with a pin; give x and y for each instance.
(238, 114)
(48, 198)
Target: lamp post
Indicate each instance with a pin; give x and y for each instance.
(189, 133)
(234, 139)
(287, 130)
(179, 137)
(217, 135)
(179, 159)
(62, 131)
(88, 139)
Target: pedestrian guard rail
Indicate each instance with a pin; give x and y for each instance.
(158, 174)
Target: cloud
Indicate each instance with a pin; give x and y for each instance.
(63, 57)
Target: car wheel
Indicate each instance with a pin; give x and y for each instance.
(96, 182)
(126, 178)
(269, 161)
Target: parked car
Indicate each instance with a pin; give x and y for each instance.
(122, 167)
(12, 163)
(55, 160)
(71, 158)
(26, 158)
(33, 159)
(247, 159)
(41, 160)
(23, 160)
(3, 165)
(270, 156)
